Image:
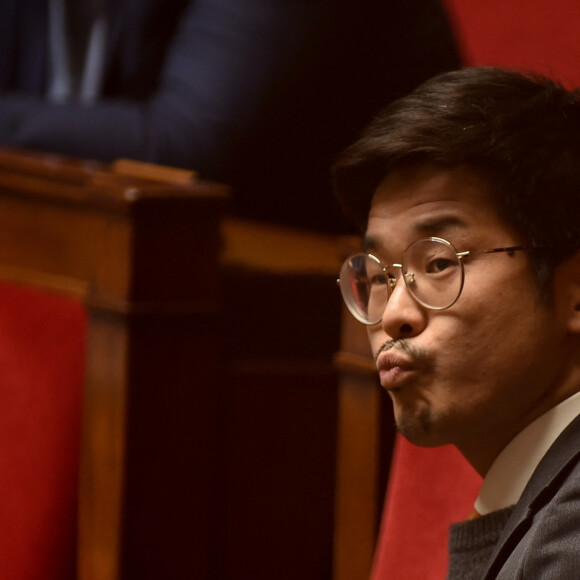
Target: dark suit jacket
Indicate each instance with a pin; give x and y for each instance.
(180, 77)
(262, 94)
(541, 540)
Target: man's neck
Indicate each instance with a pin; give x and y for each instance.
(482, 449)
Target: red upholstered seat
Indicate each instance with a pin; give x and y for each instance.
(428, 490)
(41, 377)
(533, 35)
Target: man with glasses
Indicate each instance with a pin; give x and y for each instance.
(468, 192)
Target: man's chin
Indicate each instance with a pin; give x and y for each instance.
(421, 430)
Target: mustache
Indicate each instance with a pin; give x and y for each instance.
(418, 355)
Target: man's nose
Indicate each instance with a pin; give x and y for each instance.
(403, 315)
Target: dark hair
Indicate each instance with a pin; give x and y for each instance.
(521, 132)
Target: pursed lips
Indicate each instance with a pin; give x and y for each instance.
(394, 368)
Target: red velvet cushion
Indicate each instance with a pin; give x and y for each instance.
(530, 34)
(429, 489)
(41, 375)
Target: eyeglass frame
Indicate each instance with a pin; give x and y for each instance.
(393, 282)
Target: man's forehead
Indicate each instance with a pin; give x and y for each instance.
(428, 200)
(430, 183)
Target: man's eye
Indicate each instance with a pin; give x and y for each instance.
(438, 265)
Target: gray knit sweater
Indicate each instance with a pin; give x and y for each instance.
(471, 544)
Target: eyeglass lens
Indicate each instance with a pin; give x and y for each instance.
(432, 271)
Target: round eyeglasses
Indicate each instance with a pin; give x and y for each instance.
(432, 270)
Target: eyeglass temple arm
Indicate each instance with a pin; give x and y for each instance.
(506, 249)
(509, 249)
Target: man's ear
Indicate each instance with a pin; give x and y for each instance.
(571, 270)
(574, 324)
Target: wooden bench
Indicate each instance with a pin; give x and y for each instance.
(209, 400)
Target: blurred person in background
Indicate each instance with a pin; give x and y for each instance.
(261, 94)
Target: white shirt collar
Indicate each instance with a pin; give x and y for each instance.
(512, 469)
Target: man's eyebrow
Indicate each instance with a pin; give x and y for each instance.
(369, 244)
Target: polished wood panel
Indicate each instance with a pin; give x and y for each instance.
(210, 397)
(278, 403)
(143, 256)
